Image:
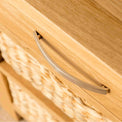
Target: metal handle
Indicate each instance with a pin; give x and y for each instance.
(71, 78)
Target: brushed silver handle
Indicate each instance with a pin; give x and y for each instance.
(71, 78)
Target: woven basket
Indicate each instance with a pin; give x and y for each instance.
(45, 81)
(28, 106)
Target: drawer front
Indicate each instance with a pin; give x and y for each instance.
(25, 42)
(44, 81)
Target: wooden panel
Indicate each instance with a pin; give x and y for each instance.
(40, 98)
(90, 26)
(5, 97)
(84, 54)
(112, 6)
(112, 99)
(84, 57)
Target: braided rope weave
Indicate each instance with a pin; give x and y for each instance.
(45, 81)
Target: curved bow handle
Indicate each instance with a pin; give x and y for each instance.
(71, 78)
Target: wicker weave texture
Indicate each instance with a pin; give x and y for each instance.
(45, 81)
(28, 106)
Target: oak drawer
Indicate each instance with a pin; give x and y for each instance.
(22, 35)
(46, 82)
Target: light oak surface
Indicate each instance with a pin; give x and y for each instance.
(52, 32)
(92, 37)
(114, 7)
(89, 24)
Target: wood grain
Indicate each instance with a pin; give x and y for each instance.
(31, 19)
(114, 7)
(86, 98)
(52, 32)
(87, 23)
